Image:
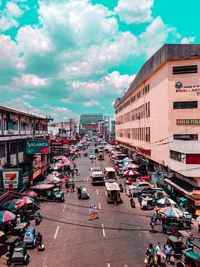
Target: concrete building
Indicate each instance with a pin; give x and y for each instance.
(15, 128)
(159, 115)
(89, 122)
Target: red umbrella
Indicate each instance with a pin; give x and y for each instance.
(130, 172)
(29, 193)
(6, 216)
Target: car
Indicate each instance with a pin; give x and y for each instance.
(19, 256)
(92, 156)
(130, 189)
(147, 190)
(30, 237)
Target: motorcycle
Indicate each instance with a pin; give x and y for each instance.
(132, 202)
(38, 218)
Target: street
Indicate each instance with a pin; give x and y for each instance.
(72, 240)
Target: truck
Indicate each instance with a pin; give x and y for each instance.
(96, 175)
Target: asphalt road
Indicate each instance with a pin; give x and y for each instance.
(118, 238)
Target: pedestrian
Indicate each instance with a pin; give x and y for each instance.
(150, 255)
(159, 251)
(168, 252)
(152, 224)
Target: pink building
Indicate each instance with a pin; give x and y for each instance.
(159, 116)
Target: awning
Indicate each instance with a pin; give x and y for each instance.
(174, 185)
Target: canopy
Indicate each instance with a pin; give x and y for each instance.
(132, 166)
(171, 212)
(13, 204)
(130, 172)
(166, 201)
(42, 186)
(29, 193)
(6, 216)
(28, 200)
(52, 180)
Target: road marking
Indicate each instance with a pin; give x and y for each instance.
(97, 191)
(56, 232)
(64, 207)
(103, 230)
(99, 205)
(108, 264)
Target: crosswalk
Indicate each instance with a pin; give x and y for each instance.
(81, 179)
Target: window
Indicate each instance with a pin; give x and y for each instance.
(13, 148)
(185, 69)
(177, 155)
(186, 137)
(185, 104)
(2, 150)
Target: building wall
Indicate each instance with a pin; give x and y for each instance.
(163, 117)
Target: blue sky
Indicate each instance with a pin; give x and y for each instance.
(67, 57)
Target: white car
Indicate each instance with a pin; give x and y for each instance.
(92, 156)
(130, 189)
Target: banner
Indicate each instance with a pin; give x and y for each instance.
(11, 179)
(37, 146)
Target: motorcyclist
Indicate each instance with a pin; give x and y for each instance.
(39, 240)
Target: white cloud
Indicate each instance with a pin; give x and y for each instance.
(91, 103)
(135, 11)
(66, 100)
(187, 40)
(110, 86)
(30, 80)
(9, 16)
(20, 104)
(155, 36)
(39, 44)
(28, 96)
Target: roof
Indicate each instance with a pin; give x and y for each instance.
(193, 255)
(109, 169)
(112, 186)
(167, 52)
(2, 107)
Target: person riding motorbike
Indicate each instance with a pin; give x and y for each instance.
(38, 218)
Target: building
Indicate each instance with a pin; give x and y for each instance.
(16, 127)
(159, 115)
(89, 122)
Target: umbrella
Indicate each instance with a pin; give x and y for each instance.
(13, 204)
(70, 181)
(6, 216)
(29, 193)
(127, 160)
(171, 212)
(42, 186)
(130, 172)
(132, 166)
(165, 201)
(52, 180)
(28, 200)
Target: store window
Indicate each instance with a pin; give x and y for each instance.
(185, 104)
(185, 69)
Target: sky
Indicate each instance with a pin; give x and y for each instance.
(66, 57)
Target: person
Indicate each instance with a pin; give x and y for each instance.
(130, 180)
(168, 252)
(150, 254)
(39, 240)
(79, 190)
(172, 259)
(159, 251)
(173, 229)
(152, 224)
(121, 187)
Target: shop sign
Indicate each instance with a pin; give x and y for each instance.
(11, 179)
(37, 146)
(188, 121)
(180, 88)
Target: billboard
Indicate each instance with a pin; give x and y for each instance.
(40, 146)
(11, 179)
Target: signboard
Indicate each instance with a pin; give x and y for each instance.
(37, 146)
(188, 121)
(181, 88)
(11, 179)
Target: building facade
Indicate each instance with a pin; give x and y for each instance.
(89, 122)
(15, 128)
(159, 116)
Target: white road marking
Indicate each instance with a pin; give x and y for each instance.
(103, 230)
(97, 191)
(56, 232)
(64, 207)
(108, 264)
(99, 205)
